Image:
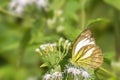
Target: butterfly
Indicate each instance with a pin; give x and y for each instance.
(85, 52)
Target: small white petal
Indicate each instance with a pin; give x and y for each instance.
(77, 71)
(12, 4)
(48, 45)
(47, 77)
(54, 44)
(56, 75)
(41, 3)
(70, 70)
(85, 74)
(19, 10)
(74, 71)
(23, 2)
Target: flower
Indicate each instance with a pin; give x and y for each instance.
(85, 74)
(48, 47)
(69, 44)
(57, 75)
(60, 41)
(41, 3)
(18, 6)
(47, 77)
(54, 76)
(37, 50)
(73, 71)
(60, 28)
(78, 73)
(58, 13)
(19, 10)
(51, 22)
(66, 43)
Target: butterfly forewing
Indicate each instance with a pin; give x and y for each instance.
(85, 52)
(85, 38)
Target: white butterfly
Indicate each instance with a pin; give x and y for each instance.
(85, 52)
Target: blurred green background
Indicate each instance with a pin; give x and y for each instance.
(21, 34)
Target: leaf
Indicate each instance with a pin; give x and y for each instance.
(44, 65)
(92, 21)
(9, 47)
(114, 3)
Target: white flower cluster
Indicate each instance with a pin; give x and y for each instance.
(77, 72)
(52, 47)
(53, 53)
(18, 6)
(54, 76)
(44, 46)
(49, 47)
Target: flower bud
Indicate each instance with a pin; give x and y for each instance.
(37, 50)
(58, 13)
(66, 43)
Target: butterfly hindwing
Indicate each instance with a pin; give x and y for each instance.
(91, 56)
(85, 52)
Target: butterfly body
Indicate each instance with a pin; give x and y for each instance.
(85, 52)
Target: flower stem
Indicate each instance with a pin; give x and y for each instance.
(23, 45)
(106, 71)
(83, 14)
(8, 13)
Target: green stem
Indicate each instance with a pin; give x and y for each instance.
(23, 45)
(8, 13)
(83, 14)
(117, 33)
(106, 71)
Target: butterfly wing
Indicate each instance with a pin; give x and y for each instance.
(89, 56)
(85, 52)
(85, 38)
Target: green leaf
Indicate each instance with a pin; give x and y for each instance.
(11, 46)
(114, 3)
(44, 65)
(92, 21)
